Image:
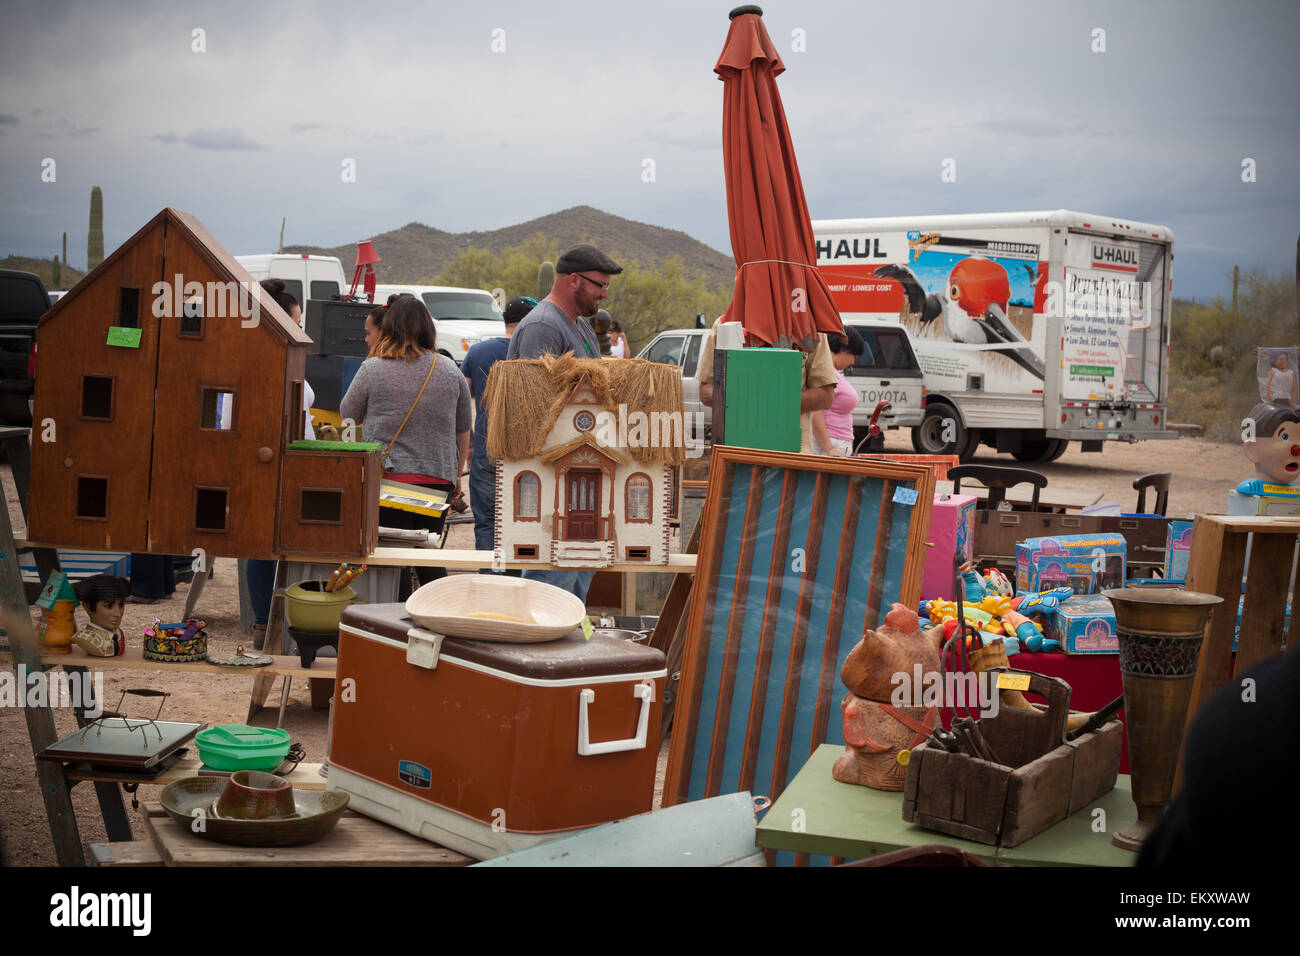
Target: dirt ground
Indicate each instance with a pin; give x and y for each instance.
(1202, 474)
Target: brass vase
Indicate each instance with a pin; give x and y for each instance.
(1160, 633)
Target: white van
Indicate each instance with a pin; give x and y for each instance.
(463, 317)
(320, 277)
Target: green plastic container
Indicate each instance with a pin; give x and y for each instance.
(241, 747)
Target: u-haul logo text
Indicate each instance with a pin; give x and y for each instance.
(1106, 255)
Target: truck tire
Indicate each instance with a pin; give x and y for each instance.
(1041, 449)
(972, 444)
(927, 437)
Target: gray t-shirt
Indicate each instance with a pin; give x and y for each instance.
(547, 329)
(382, 393)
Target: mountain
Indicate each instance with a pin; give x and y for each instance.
(44, 268)
(418, 253)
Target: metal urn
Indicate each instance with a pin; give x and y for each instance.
(1160, 633)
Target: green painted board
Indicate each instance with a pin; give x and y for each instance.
(756, 398)
(818, 814)
(124, 337)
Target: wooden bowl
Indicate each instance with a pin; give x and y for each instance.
(532, 611)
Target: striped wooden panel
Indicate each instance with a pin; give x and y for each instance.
(800, 555)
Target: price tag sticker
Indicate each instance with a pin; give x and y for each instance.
(905, 496)
(1013, 682)
(123, 337)
(588, 630)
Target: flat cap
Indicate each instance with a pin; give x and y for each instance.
(518, 307)
(587, 259)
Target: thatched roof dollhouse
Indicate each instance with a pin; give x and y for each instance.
(168, 385)
(588, 459)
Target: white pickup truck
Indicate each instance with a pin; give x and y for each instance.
(886, 371)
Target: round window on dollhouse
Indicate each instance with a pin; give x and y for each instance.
(584, 421)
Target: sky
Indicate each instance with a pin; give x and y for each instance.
(351, 119)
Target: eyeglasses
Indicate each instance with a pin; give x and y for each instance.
(603, 287)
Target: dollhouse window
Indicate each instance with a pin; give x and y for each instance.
(674, 489)
(97, 397)
(528, 490)
(638, 498)
(525, 551)
(210, 509)
(192, 317)
(321, 506)
(92, 497)
(128, 308)
(638, 554)
(218, 410)
(584, 421)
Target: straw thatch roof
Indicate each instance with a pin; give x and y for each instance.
(524, 398)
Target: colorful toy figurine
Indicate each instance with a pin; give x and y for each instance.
(58, 603)
(103, 597)
(1271, 440)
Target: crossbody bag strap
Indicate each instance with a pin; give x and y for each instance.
(413, 404)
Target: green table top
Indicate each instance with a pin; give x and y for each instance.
(818, 814)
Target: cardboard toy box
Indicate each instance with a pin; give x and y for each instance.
(1283, 505)
(490, 747)
(1178, 545)
(1113, 555)
(1084, 624)
(952, 532)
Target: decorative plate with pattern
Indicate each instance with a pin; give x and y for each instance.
(240, 660)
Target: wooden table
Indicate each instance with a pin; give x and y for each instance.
(1053, 497)
(818, 814)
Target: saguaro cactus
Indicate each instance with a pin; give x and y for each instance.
(95, 239)
(55, 277)
(545, 279)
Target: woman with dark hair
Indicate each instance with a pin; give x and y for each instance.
(416, 403)
(833, 428)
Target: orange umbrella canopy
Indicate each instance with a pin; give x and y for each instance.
(780, 297)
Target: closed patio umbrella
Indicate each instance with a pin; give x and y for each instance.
(780, 298)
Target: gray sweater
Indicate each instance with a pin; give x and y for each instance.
(380, 396)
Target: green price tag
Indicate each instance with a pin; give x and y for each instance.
(126, 338)
(587, 629)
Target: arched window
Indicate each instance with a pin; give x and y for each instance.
(528, 492)
(639, 507)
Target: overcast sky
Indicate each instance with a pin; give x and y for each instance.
(446, 130)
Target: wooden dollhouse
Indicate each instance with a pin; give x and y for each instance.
(589, 457)
(168, 387)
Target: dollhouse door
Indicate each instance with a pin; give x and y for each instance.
(582, 516)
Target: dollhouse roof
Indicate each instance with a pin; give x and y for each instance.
(525, 397)
(556, 452)
(221, 262)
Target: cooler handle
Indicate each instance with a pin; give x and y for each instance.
(646, 691)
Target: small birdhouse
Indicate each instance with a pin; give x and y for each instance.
(57, 588)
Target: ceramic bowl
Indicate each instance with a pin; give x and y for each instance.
(254, 795)
(316, 812)
(491, 608)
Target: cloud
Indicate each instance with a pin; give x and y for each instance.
(305, 127)
(165, 137)
(227, 138)
(8, 119)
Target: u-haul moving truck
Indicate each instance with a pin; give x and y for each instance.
(1033, 329)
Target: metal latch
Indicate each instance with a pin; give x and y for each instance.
(423, 648)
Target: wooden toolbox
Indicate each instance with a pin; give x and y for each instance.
(488, 747)
(1044, 779)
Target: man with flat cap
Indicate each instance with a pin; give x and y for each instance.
(557, 325)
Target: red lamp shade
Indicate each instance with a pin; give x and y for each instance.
(366, 255)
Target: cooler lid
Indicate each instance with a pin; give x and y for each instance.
(568, 657)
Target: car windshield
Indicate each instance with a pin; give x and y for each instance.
(461, 305)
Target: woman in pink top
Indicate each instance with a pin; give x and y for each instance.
(833, 428)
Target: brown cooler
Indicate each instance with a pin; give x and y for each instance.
(488, 747)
